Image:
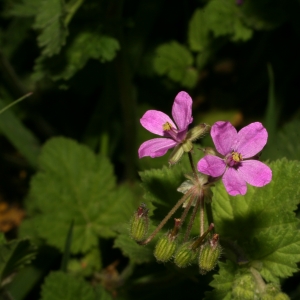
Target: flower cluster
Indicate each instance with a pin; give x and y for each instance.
(236, 160)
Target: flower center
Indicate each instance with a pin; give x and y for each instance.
(167, 126)
(233, 159)
(170, 131)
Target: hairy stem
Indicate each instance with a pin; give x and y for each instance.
(166, 218)
(193, 166)
(192, 219)
(201, 213)
(259, 281)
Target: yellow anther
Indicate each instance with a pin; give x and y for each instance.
(237, 156)
(167, 126)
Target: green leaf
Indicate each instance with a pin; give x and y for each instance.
(75, 184)
(286, 143)
(14, 255)
(175, 61)
(222, 18)
(137, 253)
(198, 32)
(21, 138)
(59, 285)
(85, 46)
(262, 222)
(27, 8)
(50, 22)
(222, 282)
(86, 265)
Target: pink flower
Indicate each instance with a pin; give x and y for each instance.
(159, 123)
(238, 148)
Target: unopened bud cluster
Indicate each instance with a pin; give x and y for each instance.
(246, 288)
(204, 251)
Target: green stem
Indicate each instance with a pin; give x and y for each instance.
(259, 281)
(209, 214)
(14, 102)
(193, 166)
(72, 10)
(166, 218)
(192, 219)
(201, 239)
(186, 210)
(201, 214)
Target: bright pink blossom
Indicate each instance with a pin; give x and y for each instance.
(159, 123)
(238, 148)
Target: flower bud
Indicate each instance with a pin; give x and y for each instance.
(176, 154)
(244, 288)
(197, 132)
(209, 254)
(167, 244)
(210, 151)
(281, 296)
(139, 223)
(185, 255)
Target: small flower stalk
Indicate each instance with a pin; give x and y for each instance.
(139, 223)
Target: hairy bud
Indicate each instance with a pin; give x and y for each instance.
(139, 223)
(244, 288)
(209, 254)
(167, 244)
(185, 255)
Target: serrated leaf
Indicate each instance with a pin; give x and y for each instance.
(27, 8)
(85, 46)
(59, 285)
(222, 282)
(174, 60)
(263, 222)
(198, 32)
(14, 255)
(50, 21)
(75, 184)
(222, 18)
(136, 253)
(286, 143)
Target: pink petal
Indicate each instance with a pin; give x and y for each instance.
(211, 165)
(224, 135)
(182, 110)
(251, 139)
(156, 147)
(234, 183)
(153, 121)
(255, 172)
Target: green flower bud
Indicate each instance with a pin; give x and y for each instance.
(187, 146)
(209, 254)
(139, 223)
(185, 255)
(244, 288)
(272, 291)
(281, 296)
(210, 151)
(167, 244)
(165, 248)
(176, 154)
(197, 132)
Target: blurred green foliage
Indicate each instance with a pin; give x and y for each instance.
(94, 68)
